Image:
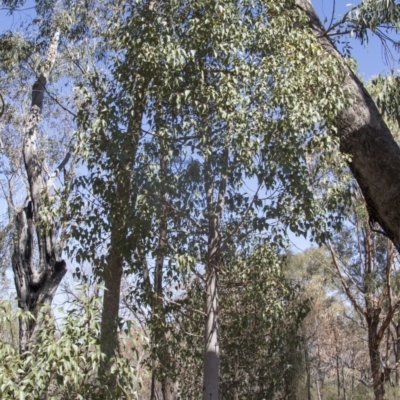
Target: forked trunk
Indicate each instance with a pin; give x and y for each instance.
(36, 281)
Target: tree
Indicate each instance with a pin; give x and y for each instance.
(36, 284)
(223, 90)
(29, 149)
(336, 358)
(363, 134)
(203, 97)
(368, 273)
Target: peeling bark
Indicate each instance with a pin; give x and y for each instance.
(375, 156)
(36, 281)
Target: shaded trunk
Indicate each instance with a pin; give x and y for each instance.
(375, 156)
(397, 351)
(338, 377)
(109, 344)
(36, 281)
(164, 355)
(120, 221)
(378, 378)
(308, 372)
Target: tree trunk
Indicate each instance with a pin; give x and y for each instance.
(164, 355)
(308, 372)
(396, 345)
(211, 335)
(109, 318)
(375, 156)
(378, 378)
(211, 358)
(36, 282)
(120, 222)
(211, 352)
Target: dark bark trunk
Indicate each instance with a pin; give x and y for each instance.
(122, 203)
(308, 372)
(344, 384)
(36, 282)
(109, 319)
(375, 156)
(338, 377)
(378, 378)
(164, 356)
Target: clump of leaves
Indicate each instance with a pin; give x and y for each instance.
(63, 363)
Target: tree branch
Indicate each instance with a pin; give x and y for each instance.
(344, 284)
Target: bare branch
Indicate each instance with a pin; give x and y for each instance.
(344, 284)
(58, 169)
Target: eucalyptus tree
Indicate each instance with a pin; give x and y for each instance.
(228, 97)
(229, 84)
(363, 134)
(31, 147)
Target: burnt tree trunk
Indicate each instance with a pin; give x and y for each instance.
(36, 281)
(375, 156)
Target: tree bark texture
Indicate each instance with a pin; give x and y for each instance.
(36, 281)
(211, 334)
(109, 342)
(375, 156)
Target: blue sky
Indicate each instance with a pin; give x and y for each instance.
(370, 57)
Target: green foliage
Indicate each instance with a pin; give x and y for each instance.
(385, 90)
(62, 363)
(260, 318)
(368, 17)
(227, 89)
(379, 16)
